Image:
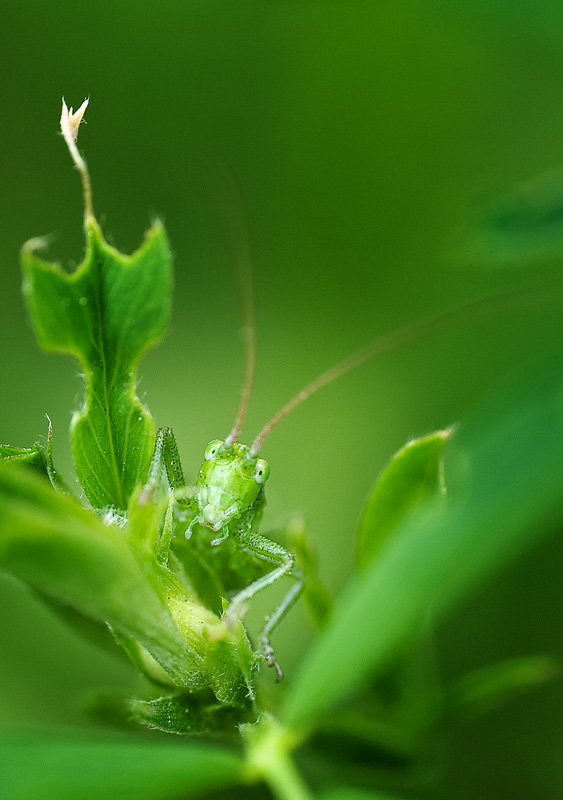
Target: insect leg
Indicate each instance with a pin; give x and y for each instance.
(168, 457)
(171, 458)
(275, 618)
(165, 457)
(272, 551)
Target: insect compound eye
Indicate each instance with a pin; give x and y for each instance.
(262, 471)
(212, 449)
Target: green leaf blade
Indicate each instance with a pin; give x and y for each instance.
(33, 458)
(351, 793)
(510, 492)
(413, 477)
(80, 769)
(186, 714)
(67, 553)
(107, 314)
(489, 687)
(53, 544)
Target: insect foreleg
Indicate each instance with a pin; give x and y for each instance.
(275, 618)
(170, 457)
(272, 551)
(165, 458)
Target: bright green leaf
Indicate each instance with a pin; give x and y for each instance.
(413, 477)
(62, 549)
(76, 768)
(57, 546)
(507, 495)
(33, 457)
(186, 714)
(168, 714)
(107, 313)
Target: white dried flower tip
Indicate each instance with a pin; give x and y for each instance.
(70, 120)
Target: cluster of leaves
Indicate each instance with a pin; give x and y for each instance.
(417, 551)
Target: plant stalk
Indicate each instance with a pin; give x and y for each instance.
(268, 755)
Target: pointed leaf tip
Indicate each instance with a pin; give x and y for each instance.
(412, 477)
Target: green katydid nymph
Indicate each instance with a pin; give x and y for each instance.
(229, 497)
(211, 535)
(227, 501)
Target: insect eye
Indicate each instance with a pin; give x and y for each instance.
(262, 471)
(212, 449)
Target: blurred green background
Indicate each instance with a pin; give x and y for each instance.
(392, 157)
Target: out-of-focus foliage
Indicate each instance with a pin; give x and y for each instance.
(414, 476)
(31, 769)
(376, 144)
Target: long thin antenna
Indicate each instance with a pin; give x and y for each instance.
(392, 341)
(228, 197)
(70, 122)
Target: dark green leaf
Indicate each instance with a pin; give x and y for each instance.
(507, 495)
(107, 313)
(349, 793)
(523, 226)
(81, 769)
(487, 688)
(414, 476)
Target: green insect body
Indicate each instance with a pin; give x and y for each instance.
(230, 487)
(221, 550)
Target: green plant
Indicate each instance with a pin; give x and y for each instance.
(123, 571)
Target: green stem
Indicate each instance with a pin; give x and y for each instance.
(268, 754)
(284, 779)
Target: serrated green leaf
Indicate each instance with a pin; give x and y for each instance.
(168, 714)
(512, 470)
(107, 313)
(39, 458)
(186, 714)
(412, 478)
(76, 768)
(32, 457)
